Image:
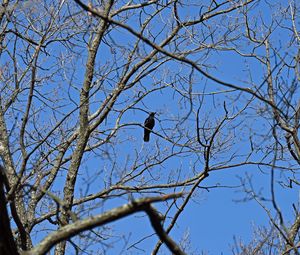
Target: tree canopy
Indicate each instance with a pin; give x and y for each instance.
(79, 78)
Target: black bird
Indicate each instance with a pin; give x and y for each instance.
(149, 124)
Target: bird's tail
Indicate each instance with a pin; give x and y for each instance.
(146, 136)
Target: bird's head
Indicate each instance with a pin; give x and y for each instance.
(152, 114)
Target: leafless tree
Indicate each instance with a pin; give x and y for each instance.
(78, 78)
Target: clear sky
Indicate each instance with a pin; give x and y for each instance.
(222, 211)
(216, 215)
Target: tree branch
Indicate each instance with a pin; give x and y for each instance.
(79, 226)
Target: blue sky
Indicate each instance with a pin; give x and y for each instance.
(219, 210)
(215, 217)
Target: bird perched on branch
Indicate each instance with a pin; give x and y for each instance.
(149, 124)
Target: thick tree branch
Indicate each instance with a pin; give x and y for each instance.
(70, 230)
(7, 242)
(156, 219)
